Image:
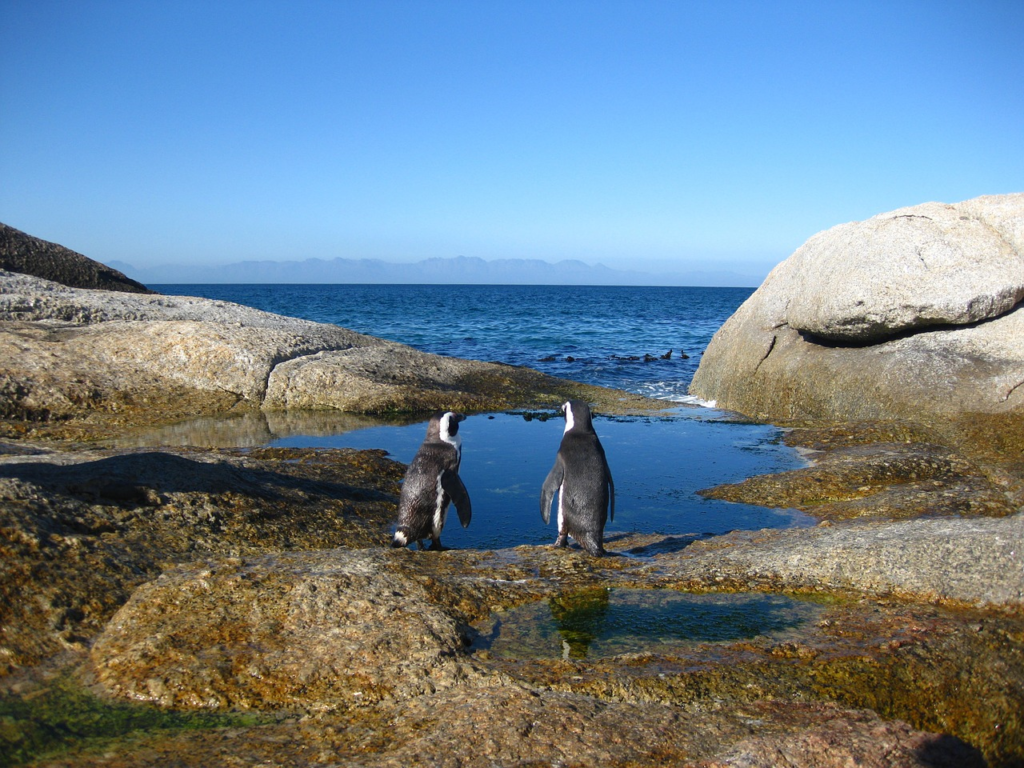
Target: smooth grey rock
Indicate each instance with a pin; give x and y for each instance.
(66, 350)
(978, 561)
(927, 265)
(963, 381)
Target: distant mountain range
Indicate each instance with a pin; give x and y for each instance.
(459, 270)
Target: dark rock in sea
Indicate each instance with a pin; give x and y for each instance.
(29, 255)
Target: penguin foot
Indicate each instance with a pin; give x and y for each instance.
(593, 545)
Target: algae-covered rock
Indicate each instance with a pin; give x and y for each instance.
(80, 531)
(313, 631)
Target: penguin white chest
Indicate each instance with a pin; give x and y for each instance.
(561, 507)
(440, 507)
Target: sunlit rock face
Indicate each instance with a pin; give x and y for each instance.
(909, 269)
(322, 630)
(911, 314)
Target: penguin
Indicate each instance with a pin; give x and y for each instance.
(431, 483)
(583, 481)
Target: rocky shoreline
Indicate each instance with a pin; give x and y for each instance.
(253, 585)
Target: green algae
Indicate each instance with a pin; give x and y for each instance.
(63, 715)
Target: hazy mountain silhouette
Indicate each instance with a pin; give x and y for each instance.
(458, 270)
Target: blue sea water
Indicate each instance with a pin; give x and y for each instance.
(585, 333)
(610, 336)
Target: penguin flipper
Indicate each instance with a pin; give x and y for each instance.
(456, 490)
(547, 492)
(611, 491)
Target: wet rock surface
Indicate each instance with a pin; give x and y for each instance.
(260, 581)
(880, 480)
(80, 531)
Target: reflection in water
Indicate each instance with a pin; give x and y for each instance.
(599, 623)
(580, 617)
(254, 429)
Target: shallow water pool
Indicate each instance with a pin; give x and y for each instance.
(658, 464)
(601, 622)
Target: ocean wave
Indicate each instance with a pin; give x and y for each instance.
(694, 400)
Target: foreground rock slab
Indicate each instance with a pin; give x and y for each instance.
(975, 562)
(346, 630)
(325, 630)
(80, 531)
(516, 726)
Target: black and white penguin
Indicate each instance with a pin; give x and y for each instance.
(431, 483)
(583, 481)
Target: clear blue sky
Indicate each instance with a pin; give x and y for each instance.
(666, 135)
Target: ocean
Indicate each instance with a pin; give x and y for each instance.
(644, 340)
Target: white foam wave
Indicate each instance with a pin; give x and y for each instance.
(694, 400)
(669, 390)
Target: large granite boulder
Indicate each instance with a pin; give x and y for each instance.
(20, 252)
(933, 264)
(913, 314)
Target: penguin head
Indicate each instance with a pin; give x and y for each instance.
(577, 416)
(448, 425)
(444, 425)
